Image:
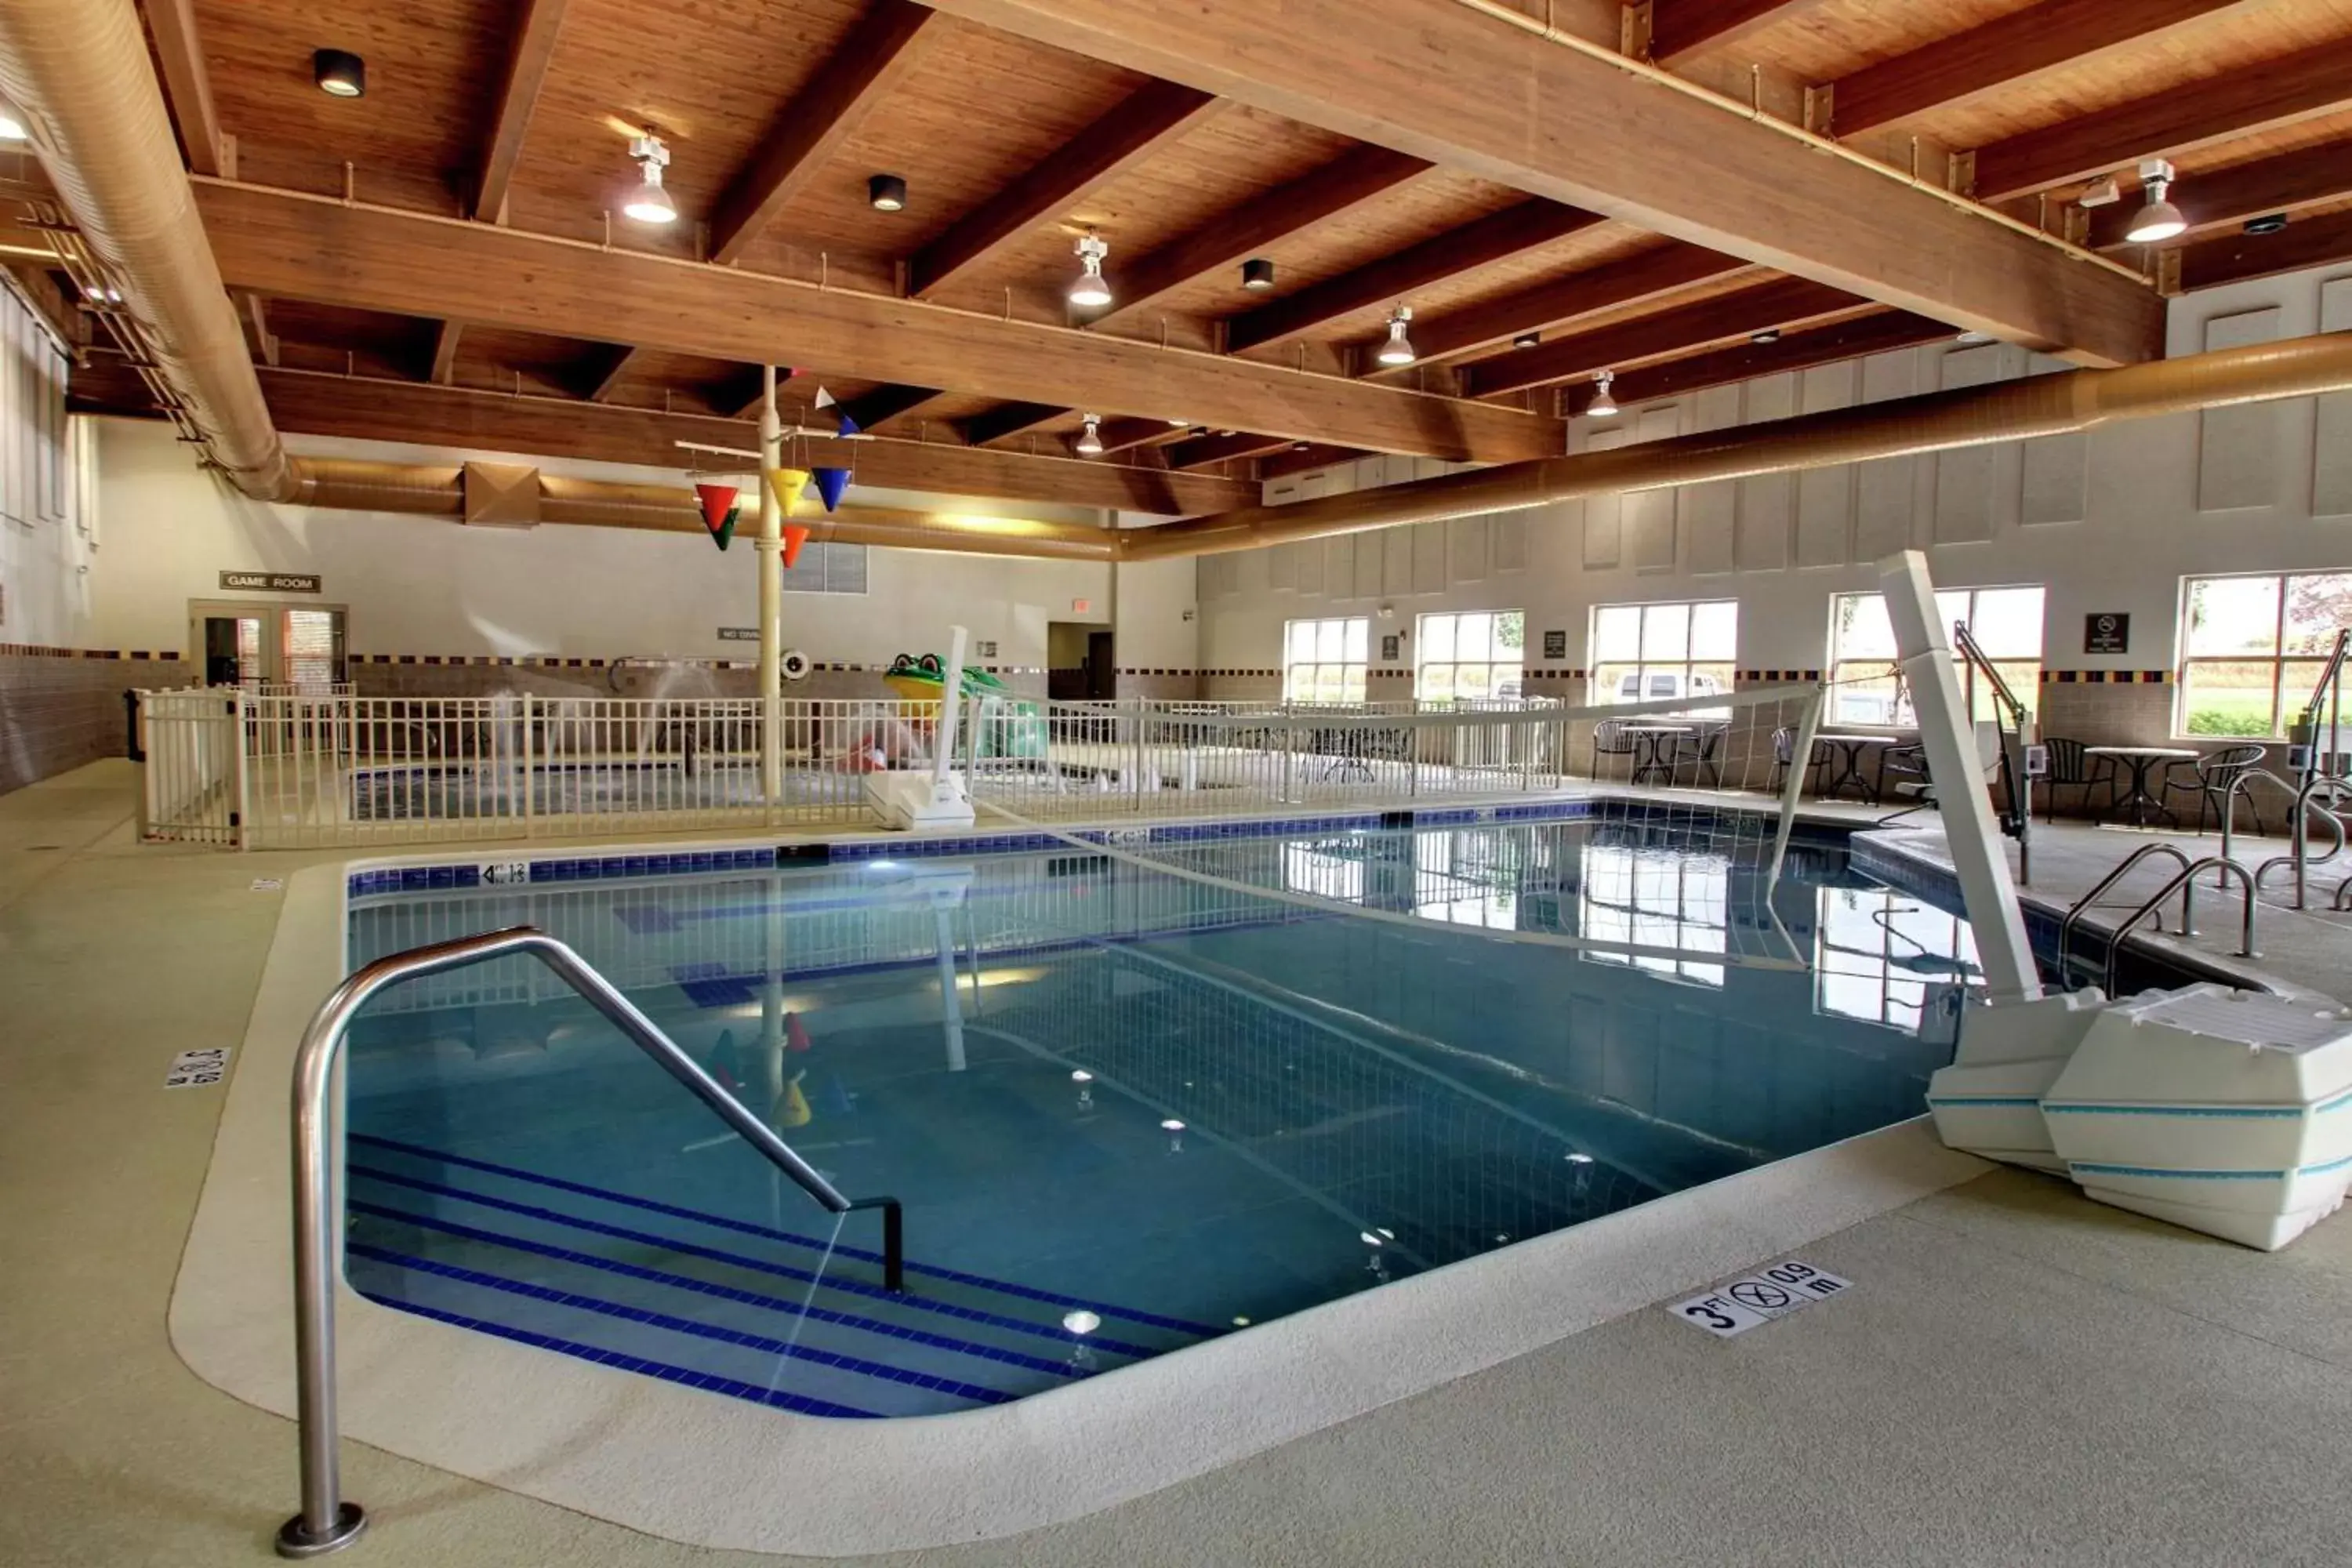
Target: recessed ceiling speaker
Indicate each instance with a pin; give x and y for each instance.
(2269, 223)
(339, 72)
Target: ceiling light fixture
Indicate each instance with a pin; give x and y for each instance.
(1298, 446)
(2159, 219)
(1768, 335)
(887, 193)
(339, 73)
(1258, 272)
(649, 203)
(1526, 340)
(1399, 349)
(1090, 291)
(2269, 223)
(1178, 424)
(1090, 439)
(1602, 405)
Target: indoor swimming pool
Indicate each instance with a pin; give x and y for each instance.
(1125, 1110)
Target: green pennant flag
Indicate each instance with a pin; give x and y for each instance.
(724, 534)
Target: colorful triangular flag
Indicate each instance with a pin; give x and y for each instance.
(795, 535)
(830, 483)
(848, 427)
(718, 512)
(787, 484)
(824, 399)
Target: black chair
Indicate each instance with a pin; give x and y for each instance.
(1907, 767)
(2069, 765)
(1699, 752)
(2213, 779)
(1610, 740)
(1784, 754)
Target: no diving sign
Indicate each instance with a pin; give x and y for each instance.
(1758, 1299)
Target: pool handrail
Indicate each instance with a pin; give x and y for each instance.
(2082, 906)
(2223, 871)
(328, 1521)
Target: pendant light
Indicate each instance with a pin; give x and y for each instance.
(1090, 439)
(2159, 219)
(1090, 291)
(1399, 349)
(1602, 405)
(649, 203)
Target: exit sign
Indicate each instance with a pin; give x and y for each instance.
(1082, 606)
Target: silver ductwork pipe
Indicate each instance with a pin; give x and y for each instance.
(78, 72)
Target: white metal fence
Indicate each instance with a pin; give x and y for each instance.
(277, 771)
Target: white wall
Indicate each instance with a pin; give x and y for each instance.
(46, 534)
(2110, 522)
(424, 585)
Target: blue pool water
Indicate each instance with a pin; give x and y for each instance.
(1124, 1111)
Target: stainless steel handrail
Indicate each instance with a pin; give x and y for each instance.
(2083, 905)
(328, 1520)
(2305, 798)
(2223, 871)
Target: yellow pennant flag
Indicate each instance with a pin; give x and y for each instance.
(788, 484)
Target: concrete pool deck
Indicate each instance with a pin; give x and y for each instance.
(2019, 1376)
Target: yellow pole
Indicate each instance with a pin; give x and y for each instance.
(770, 547)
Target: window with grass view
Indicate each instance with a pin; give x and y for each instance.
(2005, 622)
(2252, 648)
(1324, 661)
(1645, 652)
(1470, 657)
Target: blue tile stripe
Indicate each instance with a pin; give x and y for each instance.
(979, 1281)
(800, 1404)
(1982, 1099)
(2223, 1112)
(737, 1261)
(763, 1344)
(724, 1292)
(2319, 1170)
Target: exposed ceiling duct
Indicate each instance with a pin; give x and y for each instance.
(2054, 404)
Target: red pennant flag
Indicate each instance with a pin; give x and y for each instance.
(718, 509)
(795, 535)
(796, 1035)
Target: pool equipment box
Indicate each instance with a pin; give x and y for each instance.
(1989, 1102)
(2226, 1112)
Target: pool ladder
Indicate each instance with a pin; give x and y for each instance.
(2182, 882)
(328, 1520)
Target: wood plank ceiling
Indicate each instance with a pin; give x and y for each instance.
(469, 275)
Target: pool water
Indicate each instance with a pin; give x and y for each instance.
(1125, 1110)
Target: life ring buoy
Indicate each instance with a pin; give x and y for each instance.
(794, 665)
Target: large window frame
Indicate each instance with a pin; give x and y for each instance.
(1469, 656)
(1326, 660)
(2007, 620)
(2251, 647)
(1675, 647)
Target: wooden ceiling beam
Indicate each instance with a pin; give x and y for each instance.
(299, 247)
(366, 409)
(1008, 419)
(2245, 102)
(1208, 450)
(2008, 48)
(178, 50)
(1353, 178)
(1785, 302)
(1880, 334)
(2234, 258)
(1477, 95)
(1148, 119)
(1126, 435)
(444, 368)
(1681, 29)
(1646, 276)
(256, 310)
(1496, 237)
(890, 400)
(878, 52)
(2221, 197)
(527, 62)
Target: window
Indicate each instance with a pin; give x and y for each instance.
(1324, 661)
(2251, 647)
(1470, 657)
(1876, 953)
(1643, 653)
(1466, 879)
(2005, 622)
(827, 569)
(1669, 898)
